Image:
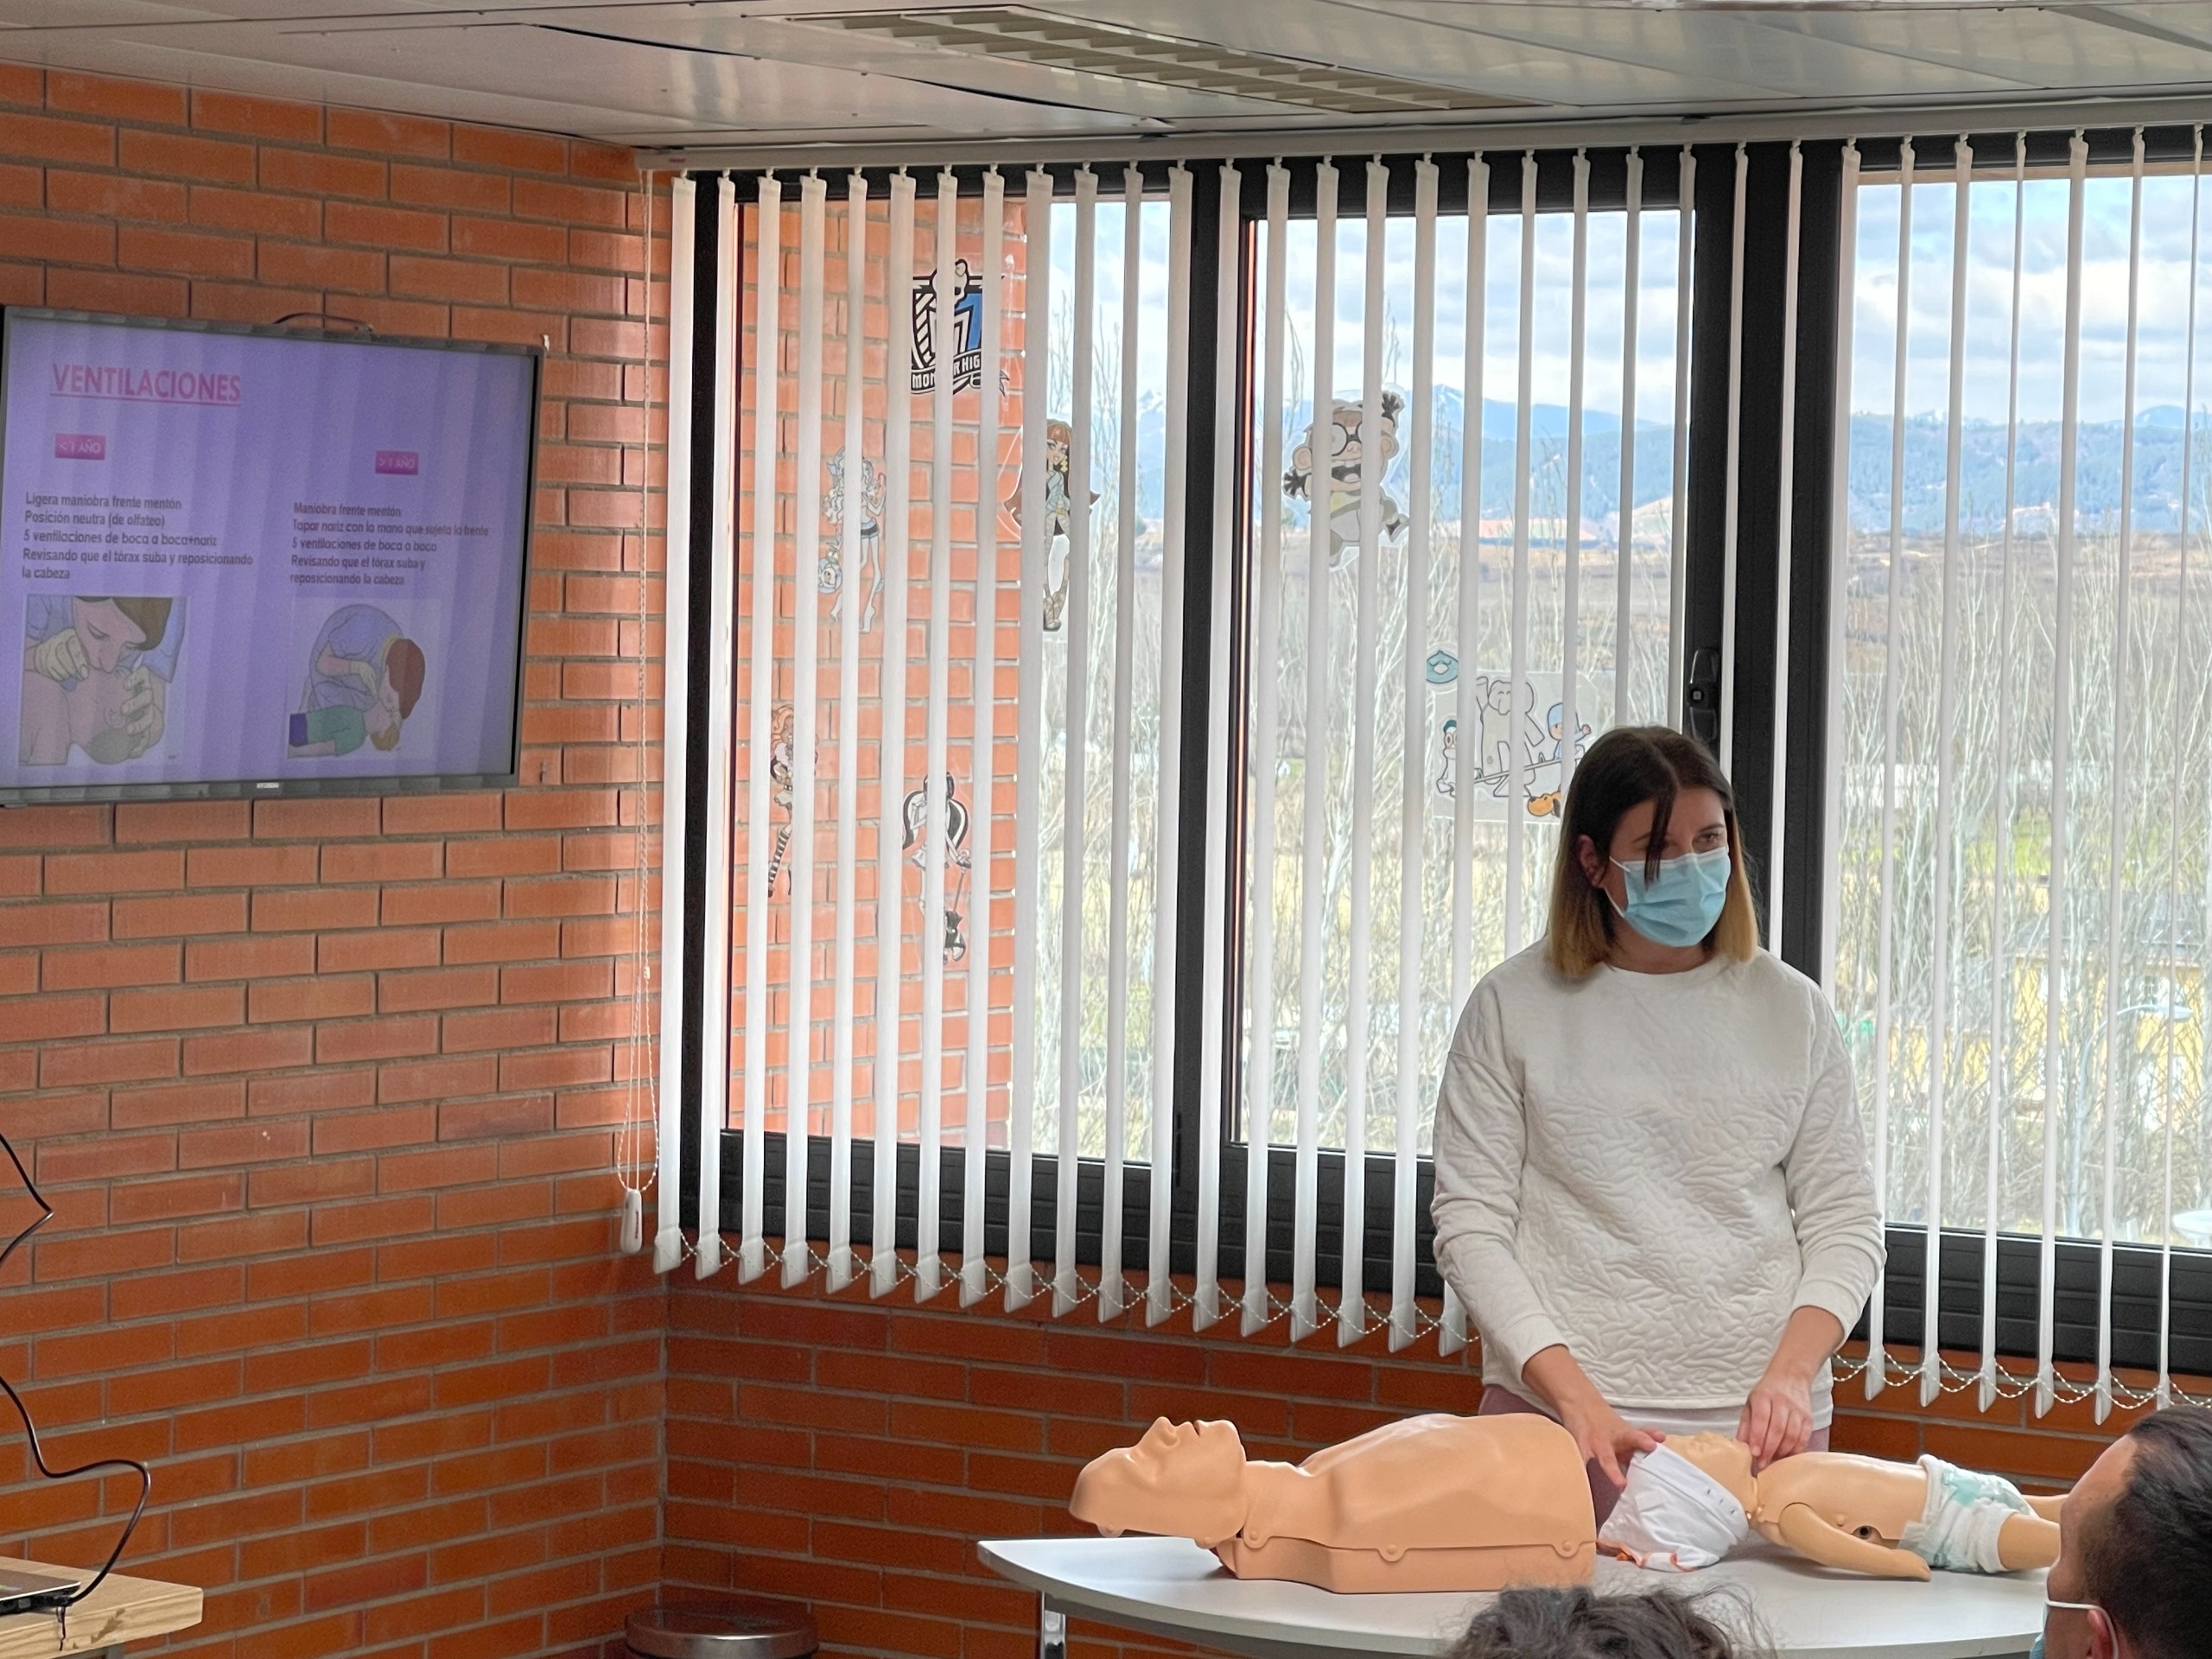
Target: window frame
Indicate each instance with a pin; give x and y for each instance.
(1799, 794)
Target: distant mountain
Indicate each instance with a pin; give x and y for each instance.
(2159, 433)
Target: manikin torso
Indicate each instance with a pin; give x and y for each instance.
(1845, 1510)
(1432, 1503)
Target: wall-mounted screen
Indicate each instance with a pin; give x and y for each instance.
(249, 562)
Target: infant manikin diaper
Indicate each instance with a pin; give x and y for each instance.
(1671, 1513)
(1965, 1512)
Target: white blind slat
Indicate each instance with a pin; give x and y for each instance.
(2061, 762)
(983, 766)
(1305, 1312)
(1259, 1057)
(1578, 325)
(676, 671)
(1876, 1356)
(1939, 1003)
(891, 753)
(2000, 1041)
(806, 634)
(1524, 467)
(1625, 501)
(1785, 491)
(722, 669)
(1228, 329)
(1175, 506)
(2123, 706)
(1029, 741)
(937, 805)
(840, 1267)
(1119, 857)
(1412, 773)
(1733, 499)
(1066, 1287)
(1678, 497)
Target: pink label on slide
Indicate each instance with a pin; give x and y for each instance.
(79, 445)
(404, 463)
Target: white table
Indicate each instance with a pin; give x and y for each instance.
(1169, 1586)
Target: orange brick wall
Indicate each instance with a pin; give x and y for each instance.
(850, 1453)
(324, 1091)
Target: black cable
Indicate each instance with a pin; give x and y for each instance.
(30, 1429)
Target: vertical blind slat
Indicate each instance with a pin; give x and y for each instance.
(1731, 512)
(2061, 760)
(1516, 786)
(1412, 773)
(676, 739)
(936, 802)
(839, 1272)
(1625, 501)
(2165, 1389)
(2000, 1041)
(1305, 1313)
(1266, 744)
(981, 926)
(1785, 561)
(2123, 704)
(1229, 332)
(1351, 1283)
(1174, 505)
(1876, 1356)
(1029, 741)
(1677, 521)
(1939, 1004)
(1846, 308)
(806, 632)
(1066, 1285)
(1119, 860)
(893, 691)
(1578, 309)
(722, 667)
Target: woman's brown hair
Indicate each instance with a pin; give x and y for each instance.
(1627, 766)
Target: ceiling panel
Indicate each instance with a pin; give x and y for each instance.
(674, 72)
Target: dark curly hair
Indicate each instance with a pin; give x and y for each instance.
(1578, 1624)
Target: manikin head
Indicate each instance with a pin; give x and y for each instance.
(1182, 1480)
(1723, 1458)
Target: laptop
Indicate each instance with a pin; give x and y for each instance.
(31, 1593)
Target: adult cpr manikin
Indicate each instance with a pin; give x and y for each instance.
(1892, 1520)
(1432, 1503)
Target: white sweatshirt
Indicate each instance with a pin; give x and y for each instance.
(1655, 1169)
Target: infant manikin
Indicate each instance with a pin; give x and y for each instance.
(1432, 1503)
(1691, 1500)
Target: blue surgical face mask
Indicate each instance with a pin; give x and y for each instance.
(1679, 905)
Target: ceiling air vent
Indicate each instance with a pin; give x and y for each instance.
(1017, 35)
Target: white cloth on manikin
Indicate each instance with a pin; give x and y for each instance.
(1671, 1513)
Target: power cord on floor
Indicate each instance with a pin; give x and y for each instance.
(60, 1602)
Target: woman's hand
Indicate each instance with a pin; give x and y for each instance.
(1777, 1420)
(1605, 1437)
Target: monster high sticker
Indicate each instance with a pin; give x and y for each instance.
(957, 858)
(1349, 453)
(868, 491)
(1059, 442)
(967, 331)
(1512, 743)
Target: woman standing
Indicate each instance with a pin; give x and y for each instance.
(1651, 1190)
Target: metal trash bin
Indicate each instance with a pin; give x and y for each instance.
(726, 1627)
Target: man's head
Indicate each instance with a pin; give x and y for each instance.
(2135, 1547)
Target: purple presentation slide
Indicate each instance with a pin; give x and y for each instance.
(240, 559)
